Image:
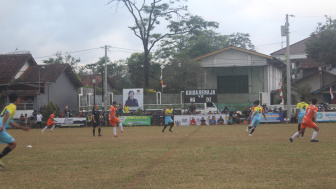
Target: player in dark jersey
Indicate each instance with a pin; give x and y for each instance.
(96, 120)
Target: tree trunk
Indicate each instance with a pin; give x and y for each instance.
(146, 69)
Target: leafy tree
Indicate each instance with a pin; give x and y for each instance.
(135, 67)
(65, 58)
(322, 44)
(49, 110)
(148, 15)
(305, 91)
(179, 75)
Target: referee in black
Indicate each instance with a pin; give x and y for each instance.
(96, 120)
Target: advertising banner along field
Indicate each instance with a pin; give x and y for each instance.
(135, 120)
(70, 122)
(326, 116)
(273, 118)
(184, 120)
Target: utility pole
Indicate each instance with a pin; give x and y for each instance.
(289, 77)
(105, 83)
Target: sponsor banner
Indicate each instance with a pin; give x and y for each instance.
(133, 98)
(326, 116)
(272, 118)
(184, 120)
(135, 120)
(200, 95)
(70, 122)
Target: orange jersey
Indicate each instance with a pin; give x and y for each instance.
(310, 112)
(50, 120)
(113, 110)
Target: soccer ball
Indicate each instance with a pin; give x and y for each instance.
(129, 124)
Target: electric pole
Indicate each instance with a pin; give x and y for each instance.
(289, 77)
(105, 83)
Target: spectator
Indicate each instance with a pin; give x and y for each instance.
(26, 119)
(212, 121)
(234, 117)
(225, 110)
(162, 117)
(39, 119)
(192, 108)
(22, 119)
(220, 121)
(66, 109)
(120, 110)
(203, 121)
(230, 121)
(193, 121)
(209, 113)
(325, 105)
(126, 109)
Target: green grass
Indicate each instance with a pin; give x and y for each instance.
(190, 157)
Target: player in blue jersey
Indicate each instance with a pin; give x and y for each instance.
(257, 111)
(300, 112)
(168, 119)
(6, 119)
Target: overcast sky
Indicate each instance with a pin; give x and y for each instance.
(44, 27)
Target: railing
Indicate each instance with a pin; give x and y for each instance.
(25, 106)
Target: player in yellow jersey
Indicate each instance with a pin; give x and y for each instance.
(300, 112)
(168, 119)
(6, 118)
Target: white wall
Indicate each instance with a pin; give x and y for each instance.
(24, 68)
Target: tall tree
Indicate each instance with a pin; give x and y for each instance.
(63, 58)
(148, 15)
(322, 44)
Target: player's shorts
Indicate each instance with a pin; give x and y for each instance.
(300, 116)
(96, 124)
(114, 121)
(168, 120)
(255, 122)
(307, 123)
(50, 123)
(6, 138)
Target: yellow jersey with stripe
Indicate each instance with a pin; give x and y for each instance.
(302, 107)
(257, 110)
(169, 111)
(11, 109)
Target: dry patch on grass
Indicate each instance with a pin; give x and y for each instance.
(190, 157)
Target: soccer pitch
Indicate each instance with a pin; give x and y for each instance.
(190, 157)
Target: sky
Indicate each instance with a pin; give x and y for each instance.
(83, 27)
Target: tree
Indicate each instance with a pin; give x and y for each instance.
(65, 58)
(135, 65)
(49, 110)
(148, 15)
(322, 44)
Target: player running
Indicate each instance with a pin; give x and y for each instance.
(6, 118)
(168, 119)
(114, 120)
(96, 120)
(256, 116)
(51, 122)
(307, 121)
(300, 112)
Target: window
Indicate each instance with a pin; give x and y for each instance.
(232, 84)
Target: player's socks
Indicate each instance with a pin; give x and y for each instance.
(121, 127)
(314, 135)
(164, 128)
(295, 135)
(252, 131)
(299, 126)
(99, 131)
(44, 128)
(5, 152)
(171, 126)
(115, 130)
(302, 134)
(52, 128)
(94, 131)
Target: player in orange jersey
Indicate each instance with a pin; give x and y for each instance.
(307, 121)
(51, 122)
(114, 120)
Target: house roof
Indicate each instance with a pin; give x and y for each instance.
(49, 73)
(311, 63)
(313, 73)
(324, 88)
(11, 64)
(235, 48)
(87, 80)
(296, 48)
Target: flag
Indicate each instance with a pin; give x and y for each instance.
(281, 95)
(331, 92)
(162, 80)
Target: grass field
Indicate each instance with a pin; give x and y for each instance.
(190, 157)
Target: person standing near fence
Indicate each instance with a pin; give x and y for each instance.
(39, 119)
